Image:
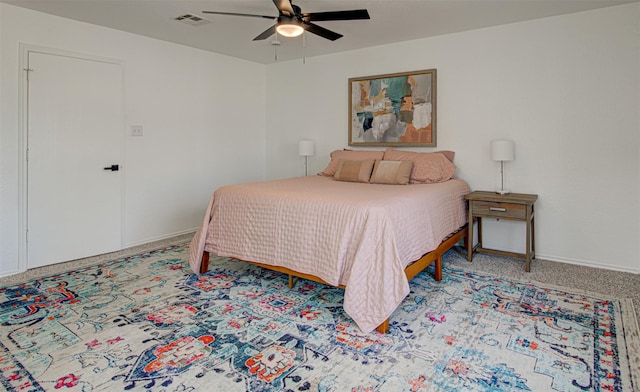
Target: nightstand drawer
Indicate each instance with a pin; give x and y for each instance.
(499, 210)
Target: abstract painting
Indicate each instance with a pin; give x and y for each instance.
(393, 109)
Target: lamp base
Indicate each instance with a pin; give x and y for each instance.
(502, 190)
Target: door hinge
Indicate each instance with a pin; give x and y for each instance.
(27, 72)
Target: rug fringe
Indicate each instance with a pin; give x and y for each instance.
(632, 337)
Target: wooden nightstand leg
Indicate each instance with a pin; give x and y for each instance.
(527, 266)
(470, 234)
(479, 232)
(533, 237)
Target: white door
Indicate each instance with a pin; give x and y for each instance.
(75, 131)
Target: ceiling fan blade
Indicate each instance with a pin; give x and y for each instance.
(321, 31)
(336, 15)
(284, 7)
(237, 14)
(266, 34)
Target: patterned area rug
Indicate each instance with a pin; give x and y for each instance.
(147, 323)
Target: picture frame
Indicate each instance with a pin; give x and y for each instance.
(397, 109)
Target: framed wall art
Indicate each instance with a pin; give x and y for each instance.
(393, 109)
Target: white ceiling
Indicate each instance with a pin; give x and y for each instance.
(391, 21)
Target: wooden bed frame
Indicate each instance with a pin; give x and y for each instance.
(411, 270)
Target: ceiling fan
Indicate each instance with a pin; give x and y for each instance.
(291, 22)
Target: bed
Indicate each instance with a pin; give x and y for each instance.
(368, 238)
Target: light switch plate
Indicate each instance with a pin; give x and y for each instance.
(136, 130)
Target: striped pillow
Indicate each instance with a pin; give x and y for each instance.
(354, 171)
(391, 172)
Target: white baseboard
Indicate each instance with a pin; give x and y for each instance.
(159, 238)
(587, 263)
(126, 245)
(8, 273)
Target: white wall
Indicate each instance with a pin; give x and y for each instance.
(566, 89)
(203, 116)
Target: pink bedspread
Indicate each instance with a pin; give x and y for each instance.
(355, 234)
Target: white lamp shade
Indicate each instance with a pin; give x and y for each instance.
(306, 148)
(289, 29)
(503, 150)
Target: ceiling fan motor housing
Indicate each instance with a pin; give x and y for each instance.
(291, 22)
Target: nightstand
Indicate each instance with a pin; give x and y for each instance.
(511, 206)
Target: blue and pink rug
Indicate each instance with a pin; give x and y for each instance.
(146, 323)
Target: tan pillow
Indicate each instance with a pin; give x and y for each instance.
(351, 155)
(355, 171)
(391, 172)
(428, 167)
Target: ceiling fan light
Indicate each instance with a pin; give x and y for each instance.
(289, 29)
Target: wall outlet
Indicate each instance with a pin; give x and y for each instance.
(136, 130)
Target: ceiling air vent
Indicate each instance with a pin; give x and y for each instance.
(192, 20)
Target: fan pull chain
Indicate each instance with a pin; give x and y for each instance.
(275, 44)
(304, 47)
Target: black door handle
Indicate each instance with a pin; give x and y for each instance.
(113, 168)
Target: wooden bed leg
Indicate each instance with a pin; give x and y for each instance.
(438, 269)
(292, 281)
(384, 327)
(204, 266)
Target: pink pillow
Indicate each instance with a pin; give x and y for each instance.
(448, 154)
(428, 167)
(348, 155)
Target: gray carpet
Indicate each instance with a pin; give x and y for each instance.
(612, 283)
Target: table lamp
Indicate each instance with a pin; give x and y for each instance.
(306, 148)
(502, 150)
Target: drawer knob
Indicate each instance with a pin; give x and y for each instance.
(497, 209)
